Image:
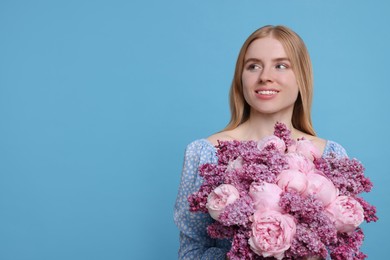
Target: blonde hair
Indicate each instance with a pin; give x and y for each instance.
(301, 66)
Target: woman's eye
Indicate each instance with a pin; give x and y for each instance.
(254, 67)
(281, 66)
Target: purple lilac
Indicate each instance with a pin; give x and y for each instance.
(256, 166)
(238, 179)
(348, 176)
(322, 165)
(240, 248)
(197, 201)
(315, 231)
(213, 177)
(324, 228)
(275, 161)
(348, 246)
(259, 173)
(230, 150)
(212, 174)
(304, 209)
(306, 243)
(219, 231)
(369, 210)
(342, 252)
(249, 152)
(283, 133)
(238, 212)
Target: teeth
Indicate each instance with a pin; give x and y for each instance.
(266, 92)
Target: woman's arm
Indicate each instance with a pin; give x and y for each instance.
(194, 241)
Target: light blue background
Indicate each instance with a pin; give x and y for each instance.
(98, 100)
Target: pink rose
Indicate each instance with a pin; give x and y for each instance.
(307, 149)
(321, 187)
(219, 198)
(299, 162)
(346, 213)
(272, 233)
(265, 196)
(279, 143)
(292, 180)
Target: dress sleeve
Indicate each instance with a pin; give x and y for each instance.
(194, 240)
(334, 148)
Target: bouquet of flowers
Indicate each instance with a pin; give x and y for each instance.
(279, 199)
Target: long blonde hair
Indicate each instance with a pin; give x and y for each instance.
(301, 65)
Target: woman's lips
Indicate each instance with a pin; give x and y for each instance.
(266, 93)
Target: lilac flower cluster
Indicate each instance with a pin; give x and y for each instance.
(233, 189)
(346, 174)
(240, 248)
(315, 231)
(348, 246)
(306, 243)
(283, 133)
(231, 216)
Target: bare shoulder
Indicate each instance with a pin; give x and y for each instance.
(221, 136)
(318, 142)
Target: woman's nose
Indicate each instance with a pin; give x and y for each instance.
(265, 75)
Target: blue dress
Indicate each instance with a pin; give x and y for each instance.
(194, 240)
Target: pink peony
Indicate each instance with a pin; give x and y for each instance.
(265, 196)
(346, 213)
(272, 233)
(322, 188)
(292, 180)
(307, 149)
(219, 198)
(299, 162)
(279, 143)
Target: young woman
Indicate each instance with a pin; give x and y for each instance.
(273, 82)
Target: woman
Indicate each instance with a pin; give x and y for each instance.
(272, 83)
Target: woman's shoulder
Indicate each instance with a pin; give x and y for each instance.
(200, 144)
(327, 146)
(320, 143)
(200, 150)
(220, 136)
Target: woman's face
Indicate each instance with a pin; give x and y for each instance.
(269, 83)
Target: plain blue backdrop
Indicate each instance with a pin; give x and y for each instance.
(98, 100)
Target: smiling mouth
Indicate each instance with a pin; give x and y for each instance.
(266, 92)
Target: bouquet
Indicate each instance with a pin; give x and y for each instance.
(279, 199)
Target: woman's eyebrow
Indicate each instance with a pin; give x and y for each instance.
(274, 60)
(252, 60)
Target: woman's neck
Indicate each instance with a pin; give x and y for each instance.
(259, 126)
